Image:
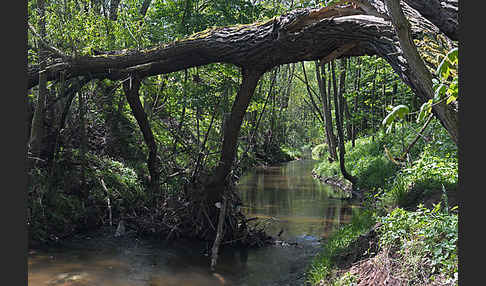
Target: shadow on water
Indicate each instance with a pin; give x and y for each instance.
(295, 202)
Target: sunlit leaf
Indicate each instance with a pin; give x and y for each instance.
(451, 99)
(398, 112)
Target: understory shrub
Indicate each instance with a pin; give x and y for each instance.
(425, 239)
(366, 161)
(60, 205)
(436, 168)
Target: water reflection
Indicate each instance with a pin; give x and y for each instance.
(288, 193)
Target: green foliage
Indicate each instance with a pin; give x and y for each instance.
(294, 153)
(436, 166)
(347, 279)
(398, 112)
(60, 205)
(366, 161)
(429, 234)
(446, 86)
(425, 109)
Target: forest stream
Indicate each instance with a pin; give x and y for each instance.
(296, 206)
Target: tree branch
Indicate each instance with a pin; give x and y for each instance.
(48, 46)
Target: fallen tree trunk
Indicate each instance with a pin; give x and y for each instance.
(300, 35)
(305, 34)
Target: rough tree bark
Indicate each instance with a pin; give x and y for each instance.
(131, 88)
(419, 75)
(443, 14)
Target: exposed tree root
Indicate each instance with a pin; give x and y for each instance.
(189, 215)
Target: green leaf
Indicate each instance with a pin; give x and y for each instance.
(425, 110)
(452, 55)
(440, 91)
(451, 99)
(390, 128)
(398, 112)
(444, 69)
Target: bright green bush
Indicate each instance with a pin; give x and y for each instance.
(437, 166)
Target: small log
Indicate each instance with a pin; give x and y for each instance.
(219, 235)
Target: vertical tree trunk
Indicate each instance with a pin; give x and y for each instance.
(114, 9)
(315, 109)
(355, 111)
(183, 114)
(232, 128)
(338, 106)
(70, 94)
(419, 75)
(347, 114)
(131, 88)
(326, 110)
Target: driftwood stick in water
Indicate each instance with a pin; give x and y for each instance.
(107, 200)
(219, 234)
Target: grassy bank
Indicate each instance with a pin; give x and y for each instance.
(409, 222)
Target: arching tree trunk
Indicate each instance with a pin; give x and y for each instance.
(444, 14)
(131, 88)
(300, 35)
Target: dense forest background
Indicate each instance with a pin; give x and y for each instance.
(141, 149)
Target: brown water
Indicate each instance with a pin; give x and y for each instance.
(285, 195)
